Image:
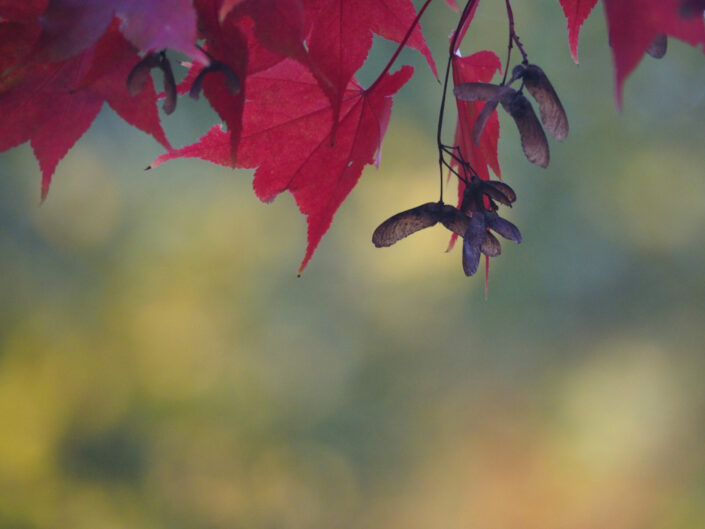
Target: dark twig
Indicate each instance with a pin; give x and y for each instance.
(453, 46)
(513, 39)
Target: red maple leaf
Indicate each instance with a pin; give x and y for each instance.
(260, 57)
(340, 34)
(341, 38)
(287, 136)
(478, 67)
(634, 24)
(52, 105)
(280, 27)
(576, 11)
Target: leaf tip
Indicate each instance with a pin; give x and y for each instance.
(574, 53)
(307, 258)
(573, 36)
(451, 242)
(618, 95)
(46, 182)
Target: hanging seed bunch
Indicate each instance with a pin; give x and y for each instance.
(473, 220)
(533, 138)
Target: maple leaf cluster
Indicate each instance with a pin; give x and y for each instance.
(281, 76)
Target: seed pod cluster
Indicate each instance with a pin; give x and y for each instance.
(480, 202)
(472, 221)
(533, 138)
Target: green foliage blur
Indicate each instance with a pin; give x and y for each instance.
(161, 366)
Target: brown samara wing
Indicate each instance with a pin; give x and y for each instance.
(502, 226)
(657, 49)
(474, 238)
(477, 91)
(482, 118)
(407, 222)
(551, 109)
(499, 191)
(137, 78)
(455, 220)
(169, 86)
(533, 139)
(491, 247)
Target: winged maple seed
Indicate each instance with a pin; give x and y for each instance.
(478, 191)
(412, 220)
(551, 109)
(472, 221)
(533, 138)
(478, 240)
(657, 48)
(232, 81)
(137, 78)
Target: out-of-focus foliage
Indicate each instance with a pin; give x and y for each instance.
(161, 365)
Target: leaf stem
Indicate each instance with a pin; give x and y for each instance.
(441, 160)
(513, 39)
(401, 45)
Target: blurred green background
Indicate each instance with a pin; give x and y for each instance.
(161, 366)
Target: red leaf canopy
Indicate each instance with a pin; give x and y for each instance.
(279, 73)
